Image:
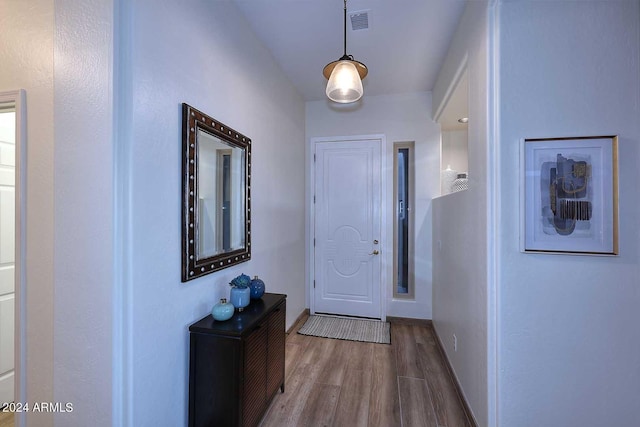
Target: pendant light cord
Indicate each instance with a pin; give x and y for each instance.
(345, 27)
(345, 56)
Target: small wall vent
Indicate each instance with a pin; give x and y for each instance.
(359, 20)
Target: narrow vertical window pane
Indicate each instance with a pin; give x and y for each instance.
(403, 280)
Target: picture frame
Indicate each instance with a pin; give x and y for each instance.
(569, 195)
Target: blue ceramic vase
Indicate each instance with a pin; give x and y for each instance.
(222, 311)
(240, 297)
(257, 288)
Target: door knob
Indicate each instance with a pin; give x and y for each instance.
(375, 252)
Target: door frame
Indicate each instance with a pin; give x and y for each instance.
(18, 98)
(386, 251)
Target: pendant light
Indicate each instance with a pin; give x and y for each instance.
(345, 75)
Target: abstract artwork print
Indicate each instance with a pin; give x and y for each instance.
(569, 201)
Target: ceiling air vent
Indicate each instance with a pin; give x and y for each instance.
(359, 20)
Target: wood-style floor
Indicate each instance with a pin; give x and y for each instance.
(331, 382)
(6, 419)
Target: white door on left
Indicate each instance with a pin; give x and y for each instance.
(7, 253)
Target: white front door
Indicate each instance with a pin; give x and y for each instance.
(7, 254)
(347, 228)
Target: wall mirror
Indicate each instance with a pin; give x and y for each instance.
(216, 202)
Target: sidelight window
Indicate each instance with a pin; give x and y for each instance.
(403, 219)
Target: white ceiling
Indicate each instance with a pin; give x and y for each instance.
(403, 48)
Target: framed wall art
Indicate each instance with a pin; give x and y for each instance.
(569, 201)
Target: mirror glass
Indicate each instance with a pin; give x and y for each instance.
(221, 175)
(216, 195)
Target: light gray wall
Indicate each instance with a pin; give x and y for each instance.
(401, 117)
(460, 257)
(568, 325)
(203, 53)
(26, 49)
(84, 201)
(455, 150)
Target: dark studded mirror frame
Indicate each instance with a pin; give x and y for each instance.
(192, 267)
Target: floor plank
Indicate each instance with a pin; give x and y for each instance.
(415, 404)
(448, 409)
(6, 419)
(355, 393)
(423, 335)
(360, 355)
(321, 406)
(291, 359)
(384, 405)
(405, 345)
(297, 338)
(287, 407)
(334, 361)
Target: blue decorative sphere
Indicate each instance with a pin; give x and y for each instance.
(257, 288)
(223, 310)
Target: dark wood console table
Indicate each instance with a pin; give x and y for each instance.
(237, 366)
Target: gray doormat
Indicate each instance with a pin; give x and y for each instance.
(343, 328)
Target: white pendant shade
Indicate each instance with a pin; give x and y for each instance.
(344, 84)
